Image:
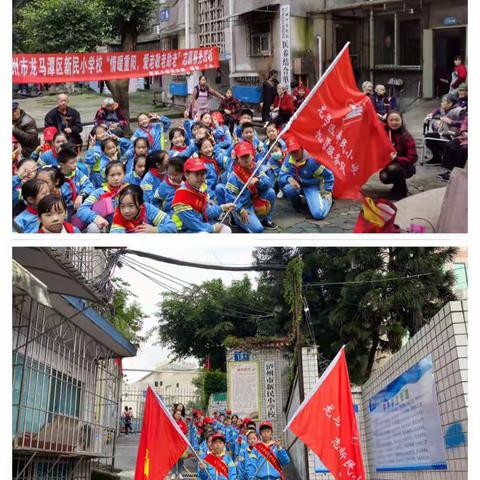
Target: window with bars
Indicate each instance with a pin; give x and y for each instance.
(260, 39)
(211, 23)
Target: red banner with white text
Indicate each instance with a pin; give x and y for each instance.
(77, 67)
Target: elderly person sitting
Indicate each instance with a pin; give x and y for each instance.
(443, 123)
(282, 107)
(24, 129)
(462, 96)
(111, 116)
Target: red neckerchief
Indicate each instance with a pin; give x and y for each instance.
(217, 463)
(130, 225)
(149, 135)
(262, 207)
(111, 192)
(71, 182)
(68, 227)
(211, 160)
(270, 457)
(169, 182)
(193, 197)
(244, 174)
(179, 149)
(156, 173)
(32, 210)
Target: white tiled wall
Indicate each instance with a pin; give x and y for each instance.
(445, 338)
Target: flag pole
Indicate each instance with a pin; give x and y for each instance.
(178, 430)
(315, 387)
(289, 123)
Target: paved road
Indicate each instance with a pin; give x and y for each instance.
(344, 212)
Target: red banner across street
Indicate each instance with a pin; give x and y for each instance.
(76, 67)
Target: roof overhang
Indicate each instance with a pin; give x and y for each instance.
(48, 268)
(91, 322)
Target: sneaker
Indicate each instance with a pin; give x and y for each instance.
(269, 225)
(280, 194)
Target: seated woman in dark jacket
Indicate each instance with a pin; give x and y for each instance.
(404, 158)
(110, 115)
(230, 109)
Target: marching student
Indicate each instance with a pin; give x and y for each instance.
(179, 466)
(52, 212)
(246, 453)
(155, 132)
(77, 186)
(133, 215)
(32, 192)
(157, 162)
(206, 445)
(217, 463)
(267, 457)
(164, 194)
(98, 209)
(302, 176)
(193, 211)
(253, 211)
(135, 177)
(139, 148)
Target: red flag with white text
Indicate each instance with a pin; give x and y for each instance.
(162, 442)
(326, 423)
(339, 127)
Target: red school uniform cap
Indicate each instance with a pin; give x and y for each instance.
(292, 145)
(243, 148)
(194, 165)
(218, 436)
(49, 133)
(265, 425)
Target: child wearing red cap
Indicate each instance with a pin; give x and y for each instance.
(304, 176)
(253, 210)
(193, 211)
(267, 457)
(217, 463)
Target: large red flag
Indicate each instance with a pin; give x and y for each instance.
(339, 127)
(326, 423)
(161, 441)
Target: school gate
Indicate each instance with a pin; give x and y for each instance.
(134, 396)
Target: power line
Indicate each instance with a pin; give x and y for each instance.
(380, 280)
(184, 263)
(177, 280)
(229, 313)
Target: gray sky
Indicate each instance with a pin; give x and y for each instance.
(150, 355)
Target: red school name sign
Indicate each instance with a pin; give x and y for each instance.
(76, 67)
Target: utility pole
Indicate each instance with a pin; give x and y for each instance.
(294, 276)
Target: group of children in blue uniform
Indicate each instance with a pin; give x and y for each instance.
(235, 449)
(139, 185)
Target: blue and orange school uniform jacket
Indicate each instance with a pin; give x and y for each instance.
(155, 133)
(243, 456)
(150, 182)
(147, 214)
(215, 165)
(133, 179)
(164, 194)
(252, 195)
(265, 462)
(185, 151)
(308, 173)
(77, 183)
(193, 210)
(28, 220)
(220, 467)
